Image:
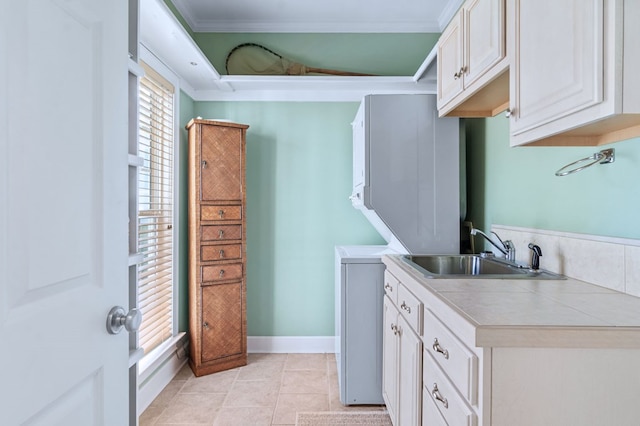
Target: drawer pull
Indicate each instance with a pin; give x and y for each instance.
(395, 329)
(436, 347)
(388, 287)
(221, 273)
(405, 307)
(221, 254)
(220, 233)
(436, 395)
(221, 213)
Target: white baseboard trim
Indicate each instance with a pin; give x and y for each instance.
(291, 344)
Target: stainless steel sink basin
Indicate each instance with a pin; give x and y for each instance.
(473, 266)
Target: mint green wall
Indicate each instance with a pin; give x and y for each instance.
(186, 114)
(517, 186)
(298, 184)
(379, 54)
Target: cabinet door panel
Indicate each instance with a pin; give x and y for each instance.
(484, 37)
(221, 168)
(410, 383)
(390, 358)
(559, 65)
(450, 61)
(221, 321)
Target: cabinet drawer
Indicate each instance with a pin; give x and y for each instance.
(391, 284)
(447, 400)
(214, 273)
(410, 308)
(220, 212)
(458, 362)
(221, 252)
(221, 232)
(430, 414)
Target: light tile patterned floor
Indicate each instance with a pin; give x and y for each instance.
(268, 391)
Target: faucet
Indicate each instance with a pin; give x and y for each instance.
(508, 248)
(535, 256)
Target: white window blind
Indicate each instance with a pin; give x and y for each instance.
(155, 209)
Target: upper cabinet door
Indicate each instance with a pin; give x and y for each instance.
(450, 61)
(558, 68)
(221, 165)
(484, 23)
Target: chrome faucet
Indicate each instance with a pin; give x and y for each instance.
(508, 248)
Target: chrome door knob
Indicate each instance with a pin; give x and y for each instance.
(117, 319)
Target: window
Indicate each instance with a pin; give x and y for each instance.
(155, 209)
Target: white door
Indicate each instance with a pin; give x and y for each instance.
(63, 211)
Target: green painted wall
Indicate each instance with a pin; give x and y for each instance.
(298, 184)
(518, 186)
(186, 113)
(379, 54)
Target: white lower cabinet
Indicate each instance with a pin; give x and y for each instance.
(435, 375)
(402, 360)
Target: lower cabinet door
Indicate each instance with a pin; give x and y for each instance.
(221, 320)
(410, 380)
(390, 365)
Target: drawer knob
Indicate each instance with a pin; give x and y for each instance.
(221, 273)
(388, 287)
(220, 233)
(221, 213)
(221, 253)
(405, 307)
(436, 347)
(436, 395)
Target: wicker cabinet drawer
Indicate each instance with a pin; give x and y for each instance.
(458, 362)
(220, 212)
(221, 232)
(410, 308)
(221, 252)
(214, 273)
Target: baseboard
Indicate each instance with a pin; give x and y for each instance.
(291, 344)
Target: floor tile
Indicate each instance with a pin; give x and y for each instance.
(253, 393)
(289, 404)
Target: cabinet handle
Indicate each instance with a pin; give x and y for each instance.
(220, 233)
(204, 164)
(206, 325)
(436, 395)
(221, 273)
(460, 73)
(388, 287)
(405, 307)
(508, 113)
(395, 329)
(221, 213)
(221, 253)
(436, 347)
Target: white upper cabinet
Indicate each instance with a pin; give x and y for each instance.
(573, 72)
(472, 61)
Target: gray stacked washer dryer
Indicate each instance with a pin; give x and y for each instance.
(407, 166)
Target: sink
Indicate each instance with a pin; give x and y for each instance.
(473, 266)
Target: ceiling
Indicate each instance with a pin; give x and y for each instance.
(317, 16)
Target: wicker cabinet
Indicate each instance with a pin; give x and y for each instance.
(217, 235)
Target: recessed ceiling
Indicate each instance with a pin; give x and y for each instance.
(317, 16)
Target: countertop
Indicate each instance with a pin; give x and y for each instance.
(522, 312)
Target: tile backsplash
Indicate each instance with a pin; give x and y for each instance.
(609, 262)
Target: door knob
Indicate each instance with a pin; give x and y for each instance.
(117, 319)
